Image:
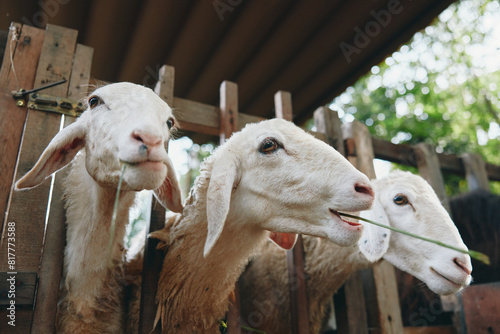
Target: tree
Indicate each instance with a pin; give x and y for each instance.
(441, 88)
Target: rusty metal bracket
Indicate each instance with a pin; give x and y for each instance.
(48, 103)
(55, 104)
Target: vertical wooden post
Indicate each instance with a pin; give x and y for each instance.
(328, 122)
(228, 125)
(475, 171)
(428, 167)
(54, 64)
(283, 105)
(55, 236)
(228, 110)
(389, 313)
(299, 312)
(153, 259)
(26, 49)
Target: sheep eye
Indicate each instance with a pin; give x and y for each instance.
(268, 146)
(170, 123)
(94, 101)
(401, 199)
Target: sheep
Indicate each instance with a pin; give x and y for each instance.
(402, 200)
(123, 124)
(271, 176)
(476, 216)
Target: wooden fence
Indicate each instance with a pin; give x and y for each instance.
(41, 57)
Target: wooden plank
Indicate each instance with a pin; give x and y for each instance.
(475, 171)
(25, 56)
(320, 136)
(55, 236)
(329, 130)
(363, 147)
(153, 259)
(481, 305)
(328, 122)
(401, 154)
(10, 46)
(388, 298)
(244, 119)
(80, 73)
(493, 172)
(450, 163)
(405, 155)
(228, 125)
(22, 321)
(22, 285)
(197, 117)
(428, 167)
(357, 310)
(297, 287)
(389, 316)
(165, 86)
(355, 305)
(283, 105)
(228, 110)
(430, 330)
(4, 36)
(54, 64)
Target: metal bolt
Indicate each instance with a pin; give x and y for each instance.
(20, 103)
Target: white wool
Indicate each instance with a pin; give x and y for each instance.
(264, 296)
(241, 194)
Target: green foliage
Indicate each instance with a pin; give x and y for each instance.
(196, 154)
(441, 88)
(138, 216)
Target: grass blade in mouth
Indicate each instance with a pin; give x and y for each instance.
(113, 217)
(473, 254)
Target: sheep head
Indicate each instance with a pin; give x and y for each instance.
(124, 123)
(408, 202)
(274, 176)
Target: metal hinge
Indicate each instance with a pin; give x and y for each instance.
(55, 104)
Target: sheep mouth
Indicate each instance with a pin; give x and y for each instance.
(337, 215)
(455, 284)
(146, 164)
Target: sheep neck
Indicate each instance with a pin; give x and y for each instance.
(88, 217)
(194, 292)
(325, 261)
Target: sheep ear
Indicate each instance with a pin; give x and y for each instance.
(224, 177)
(60, 151)
(169, 193)
(283, 240)
(374, 241)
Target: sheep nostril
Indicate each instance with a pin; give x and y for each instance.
(137, 137)
(462, 266)
(364, 189)
(147, 139)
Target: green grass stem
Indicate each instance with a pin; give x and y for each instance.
(474, 254)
